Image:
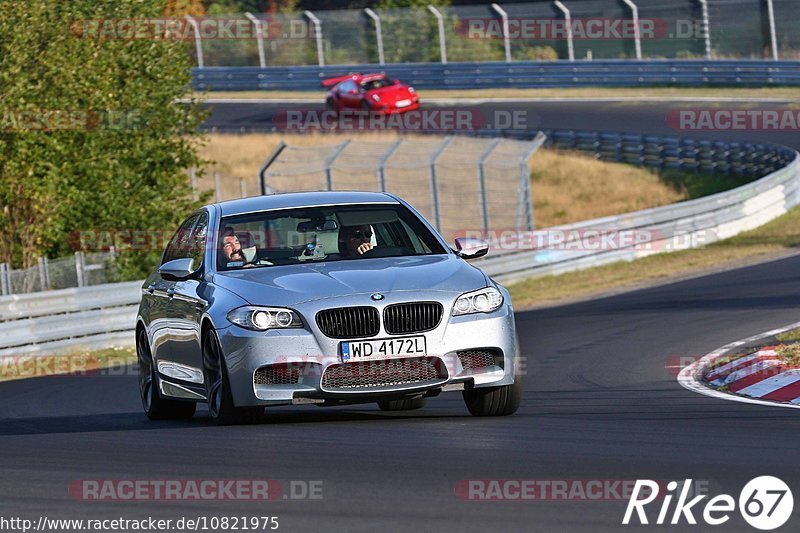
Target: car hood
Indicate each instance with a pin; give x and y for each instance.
(294, 284)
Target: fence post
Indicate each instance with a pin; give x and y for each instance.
(706, 27)
(526, 206)
(43, 273)
(317, 36)
(329, 163)
(378, 33)
(506, 39)
(262, 60)
(193, 179)
(5, 279)
(482, 184)
(440, 22)
(198, 41)
(382, 162)
(80, 268)
(568, 21)
(637, 35)
(217, 187)
(262, 172)
(434, 185)
(773, 36)
(242, 188)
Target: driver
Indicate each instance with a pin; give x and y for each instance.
(232, 248)
(355, 240)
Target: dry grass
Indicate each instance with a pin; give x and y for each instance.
(789, 336)
(564, 185)
(579, 92)
(567, 188)
(789, 354)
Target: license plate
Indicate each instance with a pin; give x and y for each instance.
(402, 103)
(382, 348)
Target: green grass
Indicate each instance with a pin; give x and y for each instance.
(77, 362)
(789, 336)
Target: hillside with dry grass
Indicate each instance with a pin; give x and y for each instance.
(567, 187)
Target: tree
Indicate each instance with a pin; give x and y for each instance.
(91, 137)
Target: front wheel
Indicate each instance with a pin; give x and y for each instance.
(496, 401)
(156, 407)
(220, 399)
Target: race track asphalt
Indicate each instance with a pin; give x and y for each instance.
(600, 404)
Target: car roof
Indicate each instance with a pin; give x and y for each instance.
(302, 199)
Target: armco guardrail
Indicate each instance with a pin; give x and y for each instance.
(519, 74)
(93, 317)
(69, 319)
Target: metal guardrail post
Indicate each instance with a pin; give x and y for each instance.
(5, 279)
(258, 25)
(193, 181)
(80, 268)
(525, 183)
(506, 39)
(440, 22)
(482, 184)
(568, 21)
(437, 222)
(329, 163)
(773, 35)
(705, 27)
(637, 32)
(382, 162)
(378, 33)
(198, 41)
(42, 262)
(317, 35)
(262, 172)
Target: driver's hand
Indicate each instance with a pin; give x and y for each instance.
(364, 248)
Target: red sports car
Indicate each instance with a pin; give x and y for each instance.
(370, 92)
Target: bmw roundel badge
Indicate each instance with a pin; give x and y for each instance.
(377, 296)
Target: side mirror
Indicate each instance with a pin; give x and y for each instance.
(177, 269)
(469, 248)
(352, 91)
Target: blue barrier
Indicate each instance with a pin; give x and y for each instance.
(609, 73)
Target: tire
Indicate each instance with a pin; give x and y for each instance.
(156, 407)
(220, 399)
(496, 401)
(330, 105)
(403, 405)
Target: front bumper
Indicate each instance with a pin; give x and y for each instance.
(308, 355)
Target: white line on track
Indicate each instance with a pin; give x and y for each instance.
(691, 376)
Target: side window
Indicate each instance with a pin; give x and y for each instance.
(178, 246)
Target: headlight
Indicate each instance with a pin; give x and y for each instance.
(480, 301)
(411, 90)
(264, 318)
(376, 97)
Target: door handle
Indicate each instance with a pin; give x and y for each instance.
(170, 293)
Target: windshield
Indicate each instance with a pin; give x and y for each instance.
(330, 233)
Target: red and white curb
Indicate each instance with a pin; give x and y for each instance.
(758, 378)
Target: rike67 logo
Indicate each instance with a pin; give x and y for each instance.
(765, 503)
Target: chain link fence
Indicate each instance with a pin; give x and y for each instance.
(457, 183)
(81, 270)
(545, 30)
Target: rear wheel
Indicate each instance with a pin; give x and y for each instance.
(220, 398)
(156, 407)
(402, 405)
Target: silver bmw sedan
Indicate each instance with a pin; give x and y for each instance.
(325, 298)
